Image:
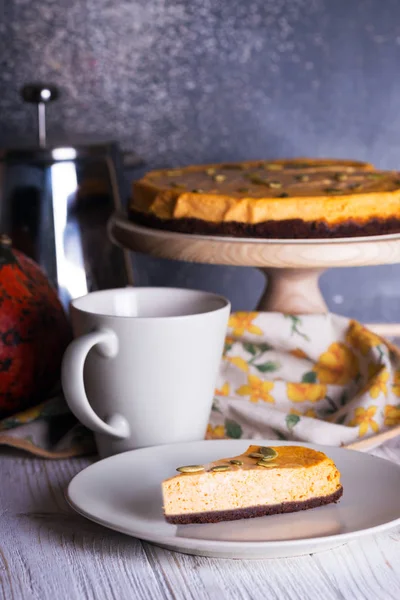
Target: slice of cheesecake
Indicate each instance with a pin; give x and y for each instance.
(262, 481)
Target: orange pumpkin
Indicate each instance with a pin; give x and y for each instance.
(34, 332)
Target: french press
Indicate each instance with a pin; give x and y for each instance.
(55, 201)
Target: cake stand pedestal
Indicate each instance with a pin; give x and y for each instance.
(291, 290)
(293, 267)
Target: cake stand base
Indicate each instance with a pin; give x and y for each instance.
(292, 291)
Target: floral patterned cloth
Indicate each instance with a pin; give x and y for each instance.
(316, 378)
(48, 430)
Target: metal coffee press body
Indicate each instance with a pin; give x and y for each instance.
(55, 202)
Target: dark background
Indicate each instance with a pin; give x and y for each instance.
(194, 81)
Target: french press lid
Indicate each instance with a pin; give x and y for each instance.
(42, 95)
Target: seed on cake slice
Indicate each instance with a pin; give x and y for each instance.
(255, 455)
(266, 465)
(301, 177)
(267, 452)
(340, 177)
(219, 178)
(220, 468)
(375, 175)
(236, 462)
(332, 190)
(273, 167)
(191, 469)
(256, 179)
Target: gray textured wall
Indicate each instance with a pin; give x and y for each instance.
(183, 81)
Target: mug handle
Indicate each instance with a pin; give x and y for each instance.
(73, 385)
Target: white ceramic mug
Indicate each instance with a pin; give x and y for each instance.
(144, 363)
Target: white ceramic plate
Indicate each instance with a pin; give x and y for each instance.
(123, 493)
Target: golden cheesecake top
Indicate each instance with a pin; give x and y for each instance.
(257, 191)
(274, 457)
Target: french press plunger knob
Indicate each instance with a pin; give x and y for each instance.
(40, 94)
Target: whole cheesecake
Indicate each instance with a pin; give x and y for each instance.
(299, 198)
(262, 481)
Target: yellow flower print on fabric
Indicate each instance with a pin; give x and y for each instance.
(298, 353)
(392, 415)
(396, 384)
(364, 418)
(361, 338)
(215, 432)
(224, 390)
(229, 341)
(378, 378)
(306, 392)
(243, 321)
(338, 365)
(257, 389)
(239, 362)
(29, 414)
(310, 412)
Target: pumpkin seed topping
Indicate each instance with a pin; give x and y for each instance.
(254, 178)
(268, 452)
(283, 195)
(219, 178)
(332, 190)
(274, 184)
(273, 167)
(220, 468)
(301, 177)
(340, 177)
(255, 455)
(211, 171)
(236, 462)
(266, 465)
(174, 173)
(197, 191)
(191, 469)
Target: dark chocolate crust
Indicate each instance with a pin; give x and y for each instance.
(287, 229)
(253, 511)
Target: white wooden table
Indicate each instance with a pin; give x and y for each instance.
(47, 552)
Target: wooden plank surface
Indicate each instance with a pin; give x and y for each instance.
(47, 552)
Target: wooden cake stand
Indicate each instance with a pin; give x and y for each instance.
(293, 267)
